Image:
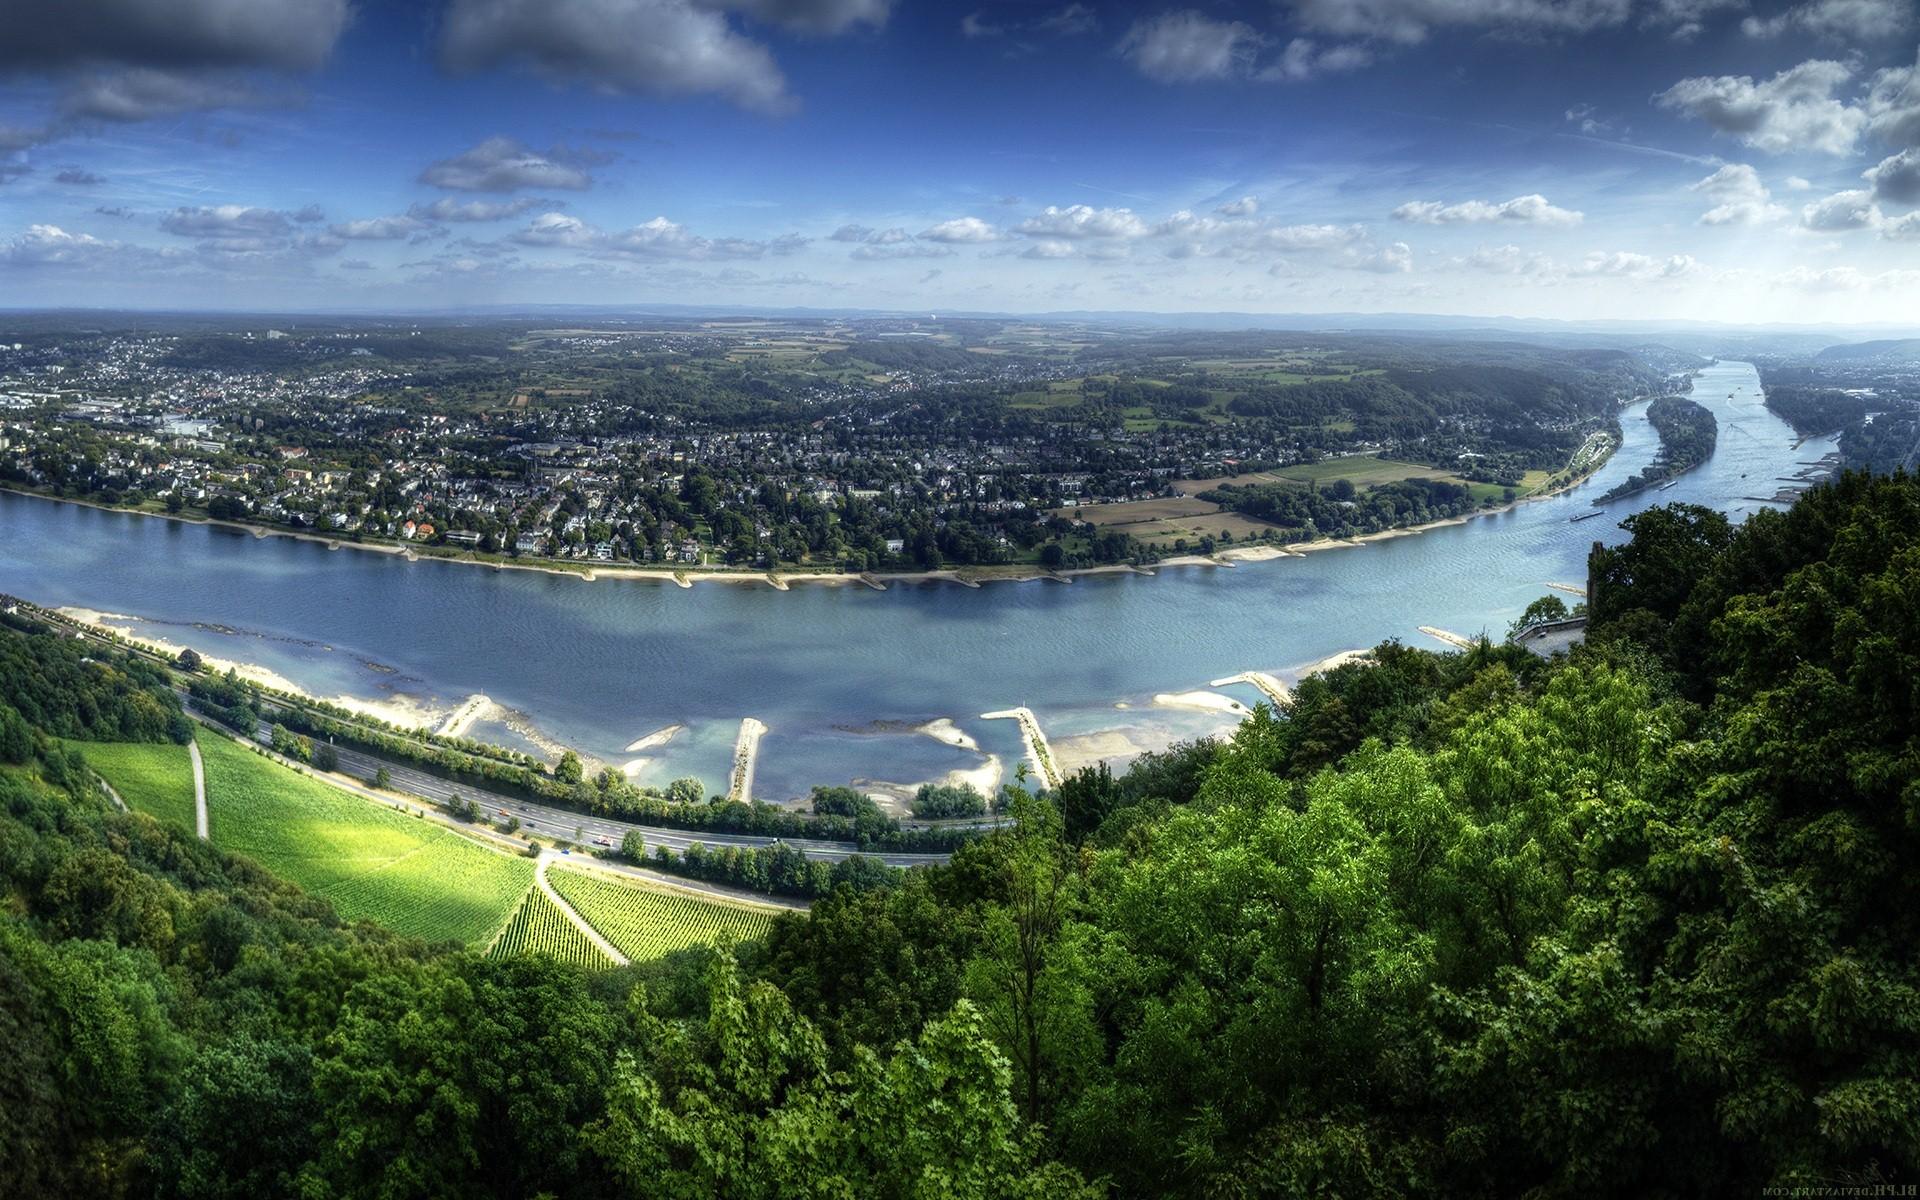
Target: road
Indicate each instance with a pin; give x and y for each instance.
(580, 827)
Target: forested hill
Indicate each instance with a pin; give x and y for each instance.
(1645, 922)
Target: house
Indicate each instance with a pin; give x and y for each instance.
(463, 537)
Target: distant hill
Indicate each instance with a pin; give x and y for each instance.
(1885, 348)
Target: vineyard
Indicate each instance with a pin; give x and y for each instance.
(646, 924)
(372, 862)
(153, 778)
(541, 928)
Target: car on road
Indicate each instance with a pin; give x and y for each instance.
(600, 841)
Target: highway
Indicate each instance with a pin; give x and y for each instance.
(581, 828)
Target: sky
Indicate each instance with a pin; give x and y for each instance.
(1714, 160)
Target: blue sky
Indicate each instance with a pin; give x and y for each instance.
(1706, 159)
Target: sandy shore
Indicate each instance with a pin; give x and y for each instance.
(658, 737)
(1202, 701)
(946, 732)
(462, 719)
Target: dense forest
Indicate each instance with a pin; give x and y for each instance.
(1814, 410)
(1342, 510)
(1642, 921)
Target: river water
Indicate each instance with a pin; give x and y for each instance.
(843, 675)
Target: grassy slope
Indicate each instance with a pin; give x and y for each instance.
(153, 778)
(647, 924)
(411, 875)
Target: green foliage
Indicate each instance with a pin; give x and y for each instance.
(939, 801)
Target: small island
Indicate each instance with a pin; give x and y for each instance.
(1688, 433)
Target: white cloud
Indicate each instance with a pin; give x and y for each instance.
(1686, 19)
(228, 221)
(1410, 21)
(1245, 206)
(1305, 59)
(379, 229)
(1856, 21)
(1896, 179)
(1893, 105)
(1645, 268)
(1506, 260)
(1531, 209)
(1796, 184)
(881, 251)
(1080, 221)
(1794, 110)
(501, 164)
(650, 47)
(1741, 198)
(1185, 46)
(448, 209)
(962, 230)
(1049, 248)
(657, 238)
(870, 236)
(1841, 212)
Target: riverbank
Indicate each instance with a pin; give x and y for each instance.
(783, 580)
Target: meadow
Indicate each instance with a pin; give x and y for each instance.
(153, 778)
(645, 924)
(411, 875)
(539, 927)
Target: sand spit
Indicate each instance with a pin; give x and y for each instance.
(633, 767)
(1335, 660)
(462, 718)
(658, 737)
(746, 748)
(946, 732)
(1037, 749)
(1202, 701)
(1271, 686)
(1450, 638)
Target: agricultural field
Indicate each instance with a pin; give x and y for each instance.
(1362, 470)
(539, 927)
(374, 863)
(153, 778)
(646, 924)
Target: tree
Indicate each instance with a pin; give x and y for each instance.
(189, 660)
(1541, 611)
(568, 769)
(325, 757)
(382, 779)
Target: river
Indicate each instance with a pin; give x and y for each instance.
(843, 676)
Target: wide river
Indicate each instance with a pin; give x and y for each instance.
(843, 676)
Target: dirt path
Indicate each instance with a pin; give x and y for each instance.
(199, 790)
(111, 794)
(593, 935)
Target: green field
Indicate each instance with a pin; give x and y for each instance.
(153, 778)
(373, 863)
(539, 927)
(646, 924)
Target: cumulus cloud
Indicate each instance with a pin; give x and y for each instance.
(1305, 59)
(229, 222)
(1531, 209)
(1893, 105)
(868, 235)
(1411, 21)
(1841, 212)
(1245, 206)
(1646, 268)
(144, 93)
(1079, 221)
(1508, 259)
(1686, 19)
(43, 245)
(1896, 178)
(501, 164)
(448, 209)
(380, 229)
(1794, 110)
(1186, 46)
(294, 35)
(650, 47)
(1741, 199)
(658, 238)
(1048, 248)
(1836, 20)
(962, 230)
